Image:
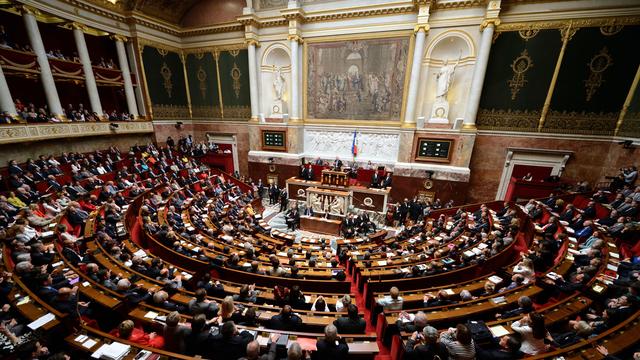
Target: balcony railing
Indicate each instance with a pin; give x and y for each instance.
(16, 133)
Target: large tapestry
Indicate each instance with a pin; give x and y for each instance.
(356, 80)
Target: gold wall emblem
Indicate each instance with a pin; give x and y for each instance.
(235, 75)
(520, 66)
(597, 66)
(527, 34)
(612, 29)
(166, 75)
(202, 77)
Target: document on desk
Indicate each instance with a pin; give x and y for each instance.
(41, 321)
(498, 331)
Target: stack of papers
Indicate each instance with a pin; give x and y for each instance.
(498, 331)
(113, 351)
(41, 321)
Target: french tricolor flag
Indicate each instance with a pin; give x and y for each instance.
(354, 146)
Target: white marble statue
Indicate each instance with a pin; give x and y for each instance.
(337, 206)
(278, 82)
(444, 78)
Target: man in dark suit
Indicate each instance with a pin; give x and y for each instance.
(71, 254)
(293, 218)
(53, 183)
(337, 164)
(331, 346)
(229, 344)
(509, 349)
(386, 182)
(273, 194)
(310, 173)
(14, 169)
(375, 180)
(286, 320)
(303, 172)
(352, 323)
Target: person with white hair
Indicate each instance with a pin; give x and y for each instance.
(331, 346)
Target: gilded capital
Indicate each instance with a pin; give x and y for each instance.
(486, 22)
(253, 42)
(421, 27)
(26, 9)
(118, 37)
(295, 37)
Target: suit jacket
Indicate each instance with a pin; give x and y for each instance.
(386, 182)
(293, 323)
(231, 348)
(346, 325)
(327, 350)
(72, 256)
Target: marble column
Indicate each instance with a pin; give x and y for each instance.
(6, 101)
(126, 75)
(50, 91)
(414, 80)
(89, 78)
(253, 81)
(477, 81)
(294, 99)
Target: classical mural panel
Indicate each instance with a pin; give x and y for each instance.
(520, 69)
(594, 79)
(165, 83)
(234, 83)
(356, 80)
(203, 85)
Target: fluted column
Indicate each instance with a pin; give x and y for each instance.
(477, 81)
(49, 85)
(89, 78)
(253, 80)
(294, 108)
(414, 80)
(126, 75)
(6, 101)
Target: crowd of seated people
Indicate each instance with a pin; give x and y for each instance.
(215, 329)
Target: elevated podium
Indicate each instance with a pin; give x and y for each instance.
(335, 178)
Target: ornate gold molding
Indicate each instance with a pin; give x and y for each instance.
(146, 42)
(586, 123)
(458, 4)
(486, 22)
(511, 120)
(576, 23)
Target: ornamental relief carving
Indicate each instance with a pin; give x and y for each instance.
(373, 146)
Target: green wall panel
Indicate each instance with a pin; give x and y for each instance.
(594, 80)
(234, 82)
(203, 85)
(518, 75)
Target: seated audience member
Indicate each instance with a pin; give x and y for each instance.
(286, 320)
(508, 349)
(175, 334)
(410, 323)
(352, 323)
(332, 346)
(525, 306)
(423, 345)
(127, 331)
(201, 305)
(229, 344)
(393, 301)
(458, 343)
(533, 332)
(320, 304)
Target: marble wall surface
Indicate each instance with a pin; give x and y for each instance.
(592, 159)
